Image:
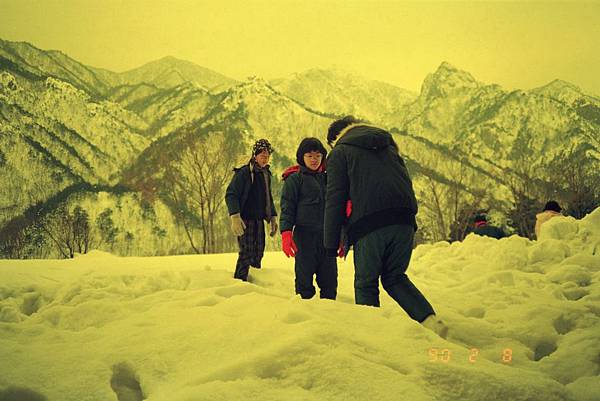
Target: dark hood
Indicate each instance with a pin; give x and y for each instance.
(367, 137)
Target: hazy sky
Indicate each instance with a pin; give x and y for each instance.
(513, 44)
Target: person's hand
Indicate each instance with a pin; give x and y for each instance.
(237, 225)
(274, 226)
(288, 246)
(341, 252)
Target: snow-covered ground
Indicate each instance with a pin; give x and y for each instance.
(524, 318)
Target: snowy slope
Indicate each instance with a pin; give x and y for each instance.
(272, 115)
(126, 95)
(454, 108)
(53, 135)
(169, 72)
(40, 64)
(510, 142)
(244, 113)
(565, 92)
(166, 72)
(168, 110)
(341, 93)
(524, 318)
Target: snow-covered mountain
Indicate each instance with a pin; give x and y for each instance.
(468, 144)
(565, 92)
(253, 107)
(65, 124)
(169, 72)
(242, 114)
(455, 108)
(35, 64)
(497, 144)
(53, 135)
(338, 92)
(126, 95)
(166, 110)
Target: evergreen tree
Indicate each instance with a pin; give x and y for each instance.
(106, 227)
(82, 235)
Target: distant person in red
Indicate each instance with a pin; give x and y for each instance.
(551, 209)
(301, 221)
(482, 227)
(250, 203)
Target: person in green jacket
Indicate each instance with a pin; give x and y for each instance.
(301, 221)
(365, 167)
(250, 203)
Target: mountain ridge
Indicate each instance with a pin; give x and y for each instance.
(465, 141)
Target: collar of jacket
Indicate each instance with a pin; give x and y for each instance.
(348, 128)
(252, 166)
(306, 170)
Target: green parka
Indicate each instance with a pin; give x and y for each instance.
(303, 200)
(365, 167)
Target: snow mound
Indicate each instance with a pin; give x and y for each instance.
(524, 319)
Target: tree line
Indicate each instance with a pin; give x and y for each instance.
(192, 185)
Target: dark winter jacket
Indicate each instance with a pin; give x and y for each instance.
(489, 231)
(255, 206)
(239, 188)
(365, 166)
(303, 200)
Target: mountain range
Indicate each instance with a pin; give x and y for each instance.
(64, 124)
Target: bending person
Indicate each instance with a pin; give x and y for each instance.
(365, 166)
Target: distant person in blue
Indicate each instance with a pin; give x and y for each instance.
(250, 203)
(482, 227)
(365, 167)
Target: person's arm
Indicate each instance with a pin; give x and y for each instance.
(233, 194)
(273, 210)
(335, 200)
(289, 203)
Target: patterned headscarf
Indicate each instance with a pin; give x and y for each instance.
(260, 145)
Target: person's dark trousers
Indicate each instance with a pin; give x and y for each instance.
(252, 247)
(386, 253)
(310, 261)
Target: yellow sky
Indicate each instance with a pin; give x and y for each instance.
(513, 44)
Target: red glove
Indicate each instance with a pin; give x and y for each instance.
(288, 246)
(340, 251)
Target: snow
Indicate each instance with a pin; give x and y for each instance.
(524, 319)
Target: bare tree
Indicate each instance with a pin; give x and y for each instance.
(447, 195)
(58, 226)
(197, 182)
(69, 233)
(574, 180)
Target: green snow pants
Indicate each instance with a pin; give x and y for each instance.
(311, 261)
(386, 253)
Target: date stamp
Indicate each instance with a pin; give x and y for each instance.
(444, 355)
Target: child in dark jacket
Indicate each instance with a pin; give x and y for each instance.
(250, 203)
(301, 222)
